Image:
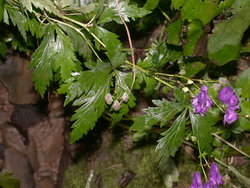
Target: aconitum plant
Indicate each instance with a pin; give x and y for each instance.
(202, 102)
(228, 97)
(215, 178)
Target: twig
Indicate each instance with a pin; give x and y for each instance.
(130, 44)
(232, 146)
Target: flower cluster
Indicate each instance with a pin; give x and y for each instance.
(215, 178)
(117, 103)
(202, 102)
(228, 97)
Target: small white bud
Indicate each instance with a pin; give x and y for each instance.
(223, 81)
(185, 89)
(125, 97)
(116, 105)
(190, 82)
(216, 87)
(109, 98)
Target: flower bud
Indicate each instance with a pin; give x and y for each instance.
(216, 87)
(227, 96)
(230, 116)
(125, 97)
(223, 81)
(109, 98)
(116, 105)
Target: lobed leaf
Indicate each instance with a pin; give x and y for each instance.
(19, 20)
(164, 112)
(55, 54)
(91, 101)
(202, 128)
(172, 139)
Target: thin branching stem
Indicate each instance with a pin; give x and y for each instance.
(78, 31)
(130, 44)
(231, 145)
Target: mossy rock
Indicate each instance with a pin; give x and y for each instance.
(114, 166)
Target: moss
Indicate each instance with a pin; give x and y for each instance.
(111, 162)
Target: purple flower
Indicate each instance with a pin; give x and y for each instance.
(209, 185)
(202, 102)
(215, 178)
(230, 116)
(196, 181)
(227, 96)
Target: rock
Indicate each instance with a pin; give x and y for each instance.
(45, 150)
(6, 108)
(15, 75)
(15, 159)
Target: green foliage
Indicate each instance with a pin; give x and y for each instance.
(87, 90)
(126, 11)
(123, 82)
(192, 68)
(195, 31)
(243, 82)
(7, 181)
(224, 45)
(202, 128)
(151, 4)
(164, 112)
(1, 9)
(174, 31)
(18, 19)
(172, 139)
(55, 54)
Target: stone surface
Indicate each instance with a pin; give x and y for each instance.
(15, 75)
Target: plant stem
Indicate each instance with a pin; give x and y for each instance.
(130, 45)
(200, 157)
(232, 146)
(85, 26)
(78, 31)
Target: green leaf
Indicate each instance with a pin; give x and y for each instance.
(113, 46)
(19, 20)
(34, 27)
(243, 82)
(172, 139)
(225, 43)
(54, 54)
(1, 9)
(238, 5)
(95, 84)
(41, 4)
(123, 82)
(3, 49)
(125, 10)
(174, 30)
(192, 68)
(195, 31)
(151, 4)
(178, 4)
(244, 122)
(164, 112)
(78, 42)
(150, 84)
(202, 128)
(204, 10)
